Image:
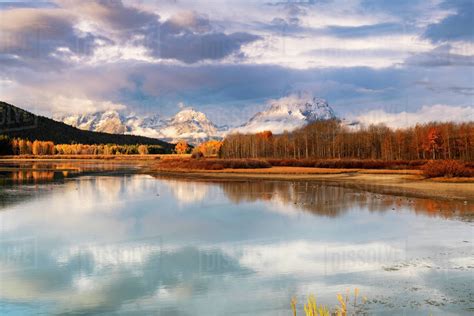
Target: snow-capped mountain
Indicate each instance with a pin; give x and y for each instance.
(187, 124)
(191, 125)
(107, 122)
(114, 122)
(288, 113)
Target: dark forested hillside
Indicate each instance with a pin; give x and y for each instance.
(15, 122)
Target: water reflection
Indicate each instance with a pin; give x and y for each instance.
(187, 192)
(128, 243)
(26, 172)
(332, 201)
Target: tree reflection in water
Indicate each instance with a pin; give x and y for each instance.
(325, 200)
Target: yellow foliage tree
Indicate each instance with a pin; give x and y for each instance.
(143, 150)
(181, 147)
(210, 148)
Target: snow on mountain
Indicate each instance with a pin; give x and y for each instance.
(191, 125)
(287, 114)
(107, 122)
(144, 126)
(187, 124)
(113, 122)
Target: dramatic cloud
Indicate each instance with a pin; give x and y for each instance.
(186, 36)
(36, 37)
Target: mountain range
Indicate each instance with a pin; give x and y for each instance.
(284, 114)
(16, 122)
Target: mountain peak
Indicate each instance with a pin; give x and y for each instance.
(288, 113)
(190, 114)
(189, 124)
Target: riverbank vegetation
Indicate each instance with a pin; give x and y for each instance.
(429, 169)
(212, 164)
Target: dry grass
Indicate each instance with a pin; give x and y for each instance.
(392, 171)
(454, 180)
(287, 170)
(349, 163)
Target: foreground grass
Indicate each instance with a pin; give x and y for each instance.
(348, 305)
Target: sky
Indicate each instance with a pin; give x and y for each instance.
(401, 62)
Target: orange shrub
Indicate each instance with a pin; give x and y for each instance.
(213, 164)
(446, 168)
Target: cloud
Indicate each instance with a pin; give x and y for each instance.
(366, 30)
(440, 56)
(190, 47)
(112, 14)
(26, 4)
(36, 37)
(439, 112)
(189, 37)
(186, 36)
(455, 27)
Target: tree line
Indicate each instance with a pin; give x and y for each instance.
(329, 139)
(19, 146)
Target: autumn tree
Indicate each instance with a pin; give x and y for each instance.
(434, 141)
(209, 148)
(181, 147)
(143, 150)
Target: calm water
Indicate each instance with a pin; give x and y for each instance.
(83, 242)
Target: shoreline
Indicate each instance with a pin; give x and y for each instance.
(404, 182)
(408, 183)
